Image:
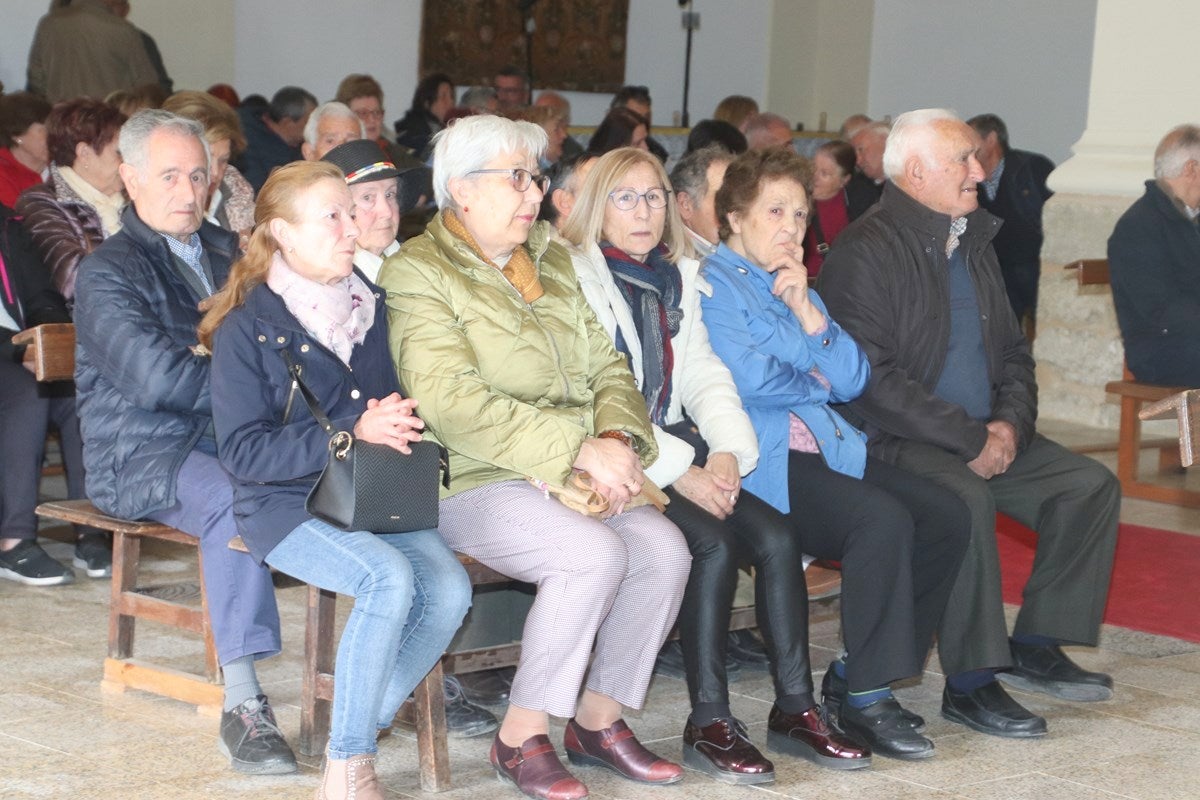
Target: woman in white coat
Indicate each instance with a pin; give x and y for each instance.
(634, 265)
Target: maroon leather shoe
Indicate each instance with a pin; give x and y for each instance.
(535, 770)
(810, 736)
(616, 748)
(723, 751)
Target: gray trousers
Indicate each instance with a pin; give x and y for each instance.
(608, 591)
(1073, 503)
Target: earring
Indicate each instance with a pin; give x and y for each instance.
(466, 209)
(18, 141)
(291, 249)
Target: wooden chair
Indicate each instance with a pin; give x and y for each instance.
(1185, 408)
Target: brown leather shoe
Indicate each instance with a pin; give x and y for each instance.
(616, 748)
(723, 751)
(810, 736)
(535, 770)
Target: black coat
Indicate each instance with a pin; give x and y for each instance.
(1154, 261)
(887, 284)
(1019, 199)
(25, 288)
(142, 390)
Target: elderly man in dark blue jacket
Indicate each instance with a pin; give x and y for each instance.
(145, 409)
(1154, 257)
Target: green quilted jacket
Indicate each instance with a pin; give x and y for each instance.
(511, 389)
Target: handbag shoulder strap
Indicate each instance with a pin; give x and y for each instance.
(309, 399)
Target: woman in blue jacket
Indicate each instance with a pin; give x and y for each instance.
(296, 297)
(899, 538)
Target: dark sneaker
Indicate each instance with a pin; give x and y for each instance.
(463, 718)
(252, 741)
(29, 564)
(93, 554)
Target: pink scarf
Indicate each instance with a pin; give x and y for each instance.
(338, 315)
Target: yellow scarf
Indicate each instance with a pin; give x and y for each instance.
(520, 270)
(108, 206)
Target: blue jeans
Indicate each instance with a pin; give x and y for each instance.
(410, 595)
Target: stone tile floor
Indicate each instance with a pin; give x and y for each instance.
(62, 736)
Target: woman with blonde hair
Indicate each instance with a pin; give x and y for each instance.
(231, 197)
(636, 268)
(296, 299)
(518, 381)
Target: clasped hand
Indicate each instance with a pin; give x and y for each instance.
(998, 451)
(615, 469)
(391, 421)
(714, 487)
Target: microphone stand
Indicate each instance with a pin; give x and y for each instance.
(691, 22)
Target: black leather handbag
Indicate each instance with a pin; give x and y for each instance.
(373, 487)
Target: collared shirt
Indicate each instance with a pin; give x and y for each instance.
(369, 264)
(703, 246)
(1190, 213)
(992, 184)
(190, 253)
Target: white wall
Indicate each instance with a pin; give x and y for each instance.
(18, 19)
(1027, 60)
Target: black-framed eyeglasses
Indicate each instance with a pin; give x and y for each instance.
(627, 199)
(519, 178)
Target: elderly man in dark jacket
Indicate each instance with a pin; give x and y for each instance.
(1154, 256)
(1014, 189)
(952, 397)
(146, 412)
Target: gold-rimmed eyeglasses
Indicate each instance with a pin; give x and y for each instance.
(520, 178)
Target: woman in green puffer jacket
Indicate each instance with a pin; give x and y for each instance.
(514, 375)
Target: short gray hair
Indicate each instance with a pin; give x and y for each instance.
(133, 140)
(470, 143)
(1179, 146)
(912, 135)
(478, 97)
(690, 174)
(331, 109)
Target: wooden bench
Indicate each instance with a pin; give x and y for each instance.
(1185, 409)
(1133, 395)
(131, 602)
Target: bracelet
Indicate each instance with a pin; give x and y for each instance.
(620, 436)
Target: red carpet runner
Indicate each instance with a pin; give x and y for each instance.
(1153, 582)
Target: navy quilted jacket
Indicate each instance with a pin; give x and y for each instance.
(142, 393)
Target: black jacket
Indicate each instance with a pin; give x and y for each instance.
(1019, 199)
(143, 392)
(25, 288)
(1154, 261)
(887, 284)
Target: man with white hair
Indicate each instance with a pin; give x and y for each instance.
(952, 397)
(142, 390)
(1154, 257)
(329, 125)
(768, 130)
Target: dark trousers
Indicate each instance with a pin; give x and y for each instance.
(756, 534)
(26, 410)
(1073, 503)
(900, 539)
(241, 596)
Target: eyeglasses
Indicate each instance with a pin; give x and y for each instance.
(519, 178)
(374, 113)
(627, 199)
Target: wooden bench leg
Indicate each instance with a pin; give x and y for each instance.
(430, 701)
(318, 660)
(212, 667)
(1129, 444)
(126, 555)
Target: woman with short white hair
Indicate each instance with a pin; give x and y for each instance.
(516, 378)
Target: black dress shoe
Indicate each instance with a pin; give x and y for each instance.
(670, 663)
(1046, 668)
(489, 687)
(747, 650)
(989, 709)
(882, 726)
(464, 719)
(723, 751)
(833, 696)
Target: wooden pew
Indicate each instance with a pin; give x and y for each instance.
(1185, 409)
